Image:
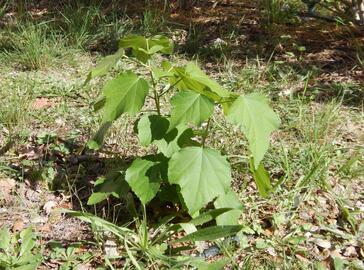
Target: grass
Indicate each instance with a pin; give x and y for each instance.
(31, 46)
(315, 160)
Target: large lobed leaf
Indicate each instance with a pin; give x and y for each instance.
(152, 127)
(188, 107)
(125, 93)
(257, 121)
(144, 178)
(202, 174)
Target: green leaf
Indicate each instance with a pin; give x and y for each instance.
(188, 107)
(27, 241)
(161, 73)
(228, 199)
(201, 173)
(114, 184)
(105, 65)
(191, 77)
(125, 93)
(152, 127)
(144, 178)
(174, 140)
(143, 48)
(5, 239)
(168, 193)
(261, 178)
(98, 139)
(257, 121)
(218, 265)
(211, 233)
(29, 266)
(209, 216)
(100, 222)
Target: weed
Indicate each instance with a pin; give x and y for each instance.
(14, 112)
(80, 24)
(31, 47)
(19, 251)
(68, 257)
(153, 22)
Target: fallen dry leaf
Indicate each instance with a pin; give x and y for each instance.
(18, 225)
(350, 252)
(48, 206)
(6, 188)
(41, 103)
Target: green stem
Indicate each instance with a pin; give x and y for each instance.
(155, 92)
(170, 87)
(206, 132)
(145, 228)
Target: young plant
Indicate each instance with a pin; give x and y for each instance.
(185, 171)
(19, 251)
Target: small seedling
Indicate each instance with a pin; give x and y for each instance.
(19, 251)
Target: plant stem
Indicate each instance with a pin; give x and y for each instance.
(170, 87)
(156, 96)
(144, 228)
(206, 132)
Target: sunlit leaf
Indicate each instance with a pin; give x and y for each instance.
(261, 178)
(211, 233)
(5, 239)
(231, 200)
(209, 216)
(191, 77)
(124, 94)
(257, 121)
(105, 65)
(191, 107)
(202, 174)
(143, 48)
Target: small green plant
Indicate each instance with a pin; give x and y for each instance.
(69, 257)
(184, 171)
(19, 251)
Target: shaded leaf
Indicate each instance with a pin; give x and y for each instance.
(114, 184)
(143, 176)
(175, 139)
(152, 127)
(98, 139)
